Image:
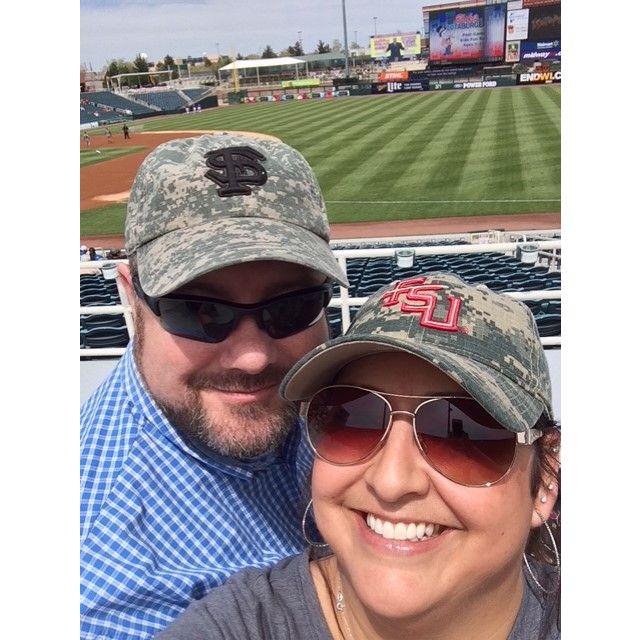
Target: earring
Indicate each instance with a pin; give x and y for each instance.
(555, 553)
(543, 498)
(304, 528)
(550, 486)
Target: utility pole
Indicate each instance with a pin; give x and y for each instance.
(375, 25)
(346, 41)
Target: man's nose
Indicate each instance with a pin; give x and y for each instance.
(248, 348)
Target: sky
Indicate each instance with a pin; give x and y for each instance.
(123, 28)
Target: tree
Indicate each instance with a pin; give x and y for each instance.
(161, 66)
(336, 47)
(269, 52)
(169, 61)
(295, 49)
(141, 64)
(322, 47)
(207, 62)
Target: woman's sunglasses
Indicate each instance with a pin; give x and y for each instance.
(213, 320)
(348, 425)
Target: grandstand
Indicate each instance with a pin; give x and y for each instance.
(167, 101)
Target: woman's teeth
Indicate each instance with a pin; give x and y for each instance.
(400, 531)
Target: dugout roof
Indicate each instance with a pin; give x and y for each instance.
(265, 62)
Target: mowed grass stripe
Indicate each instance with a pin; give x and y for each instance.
(548, 108)
(411, 179)
(478, 178)
(324, 125)
(346, 156)
(539, 144)
(553, 93)
(461, 145)
(507, 171)
(305, 129)
(321, 144)
(398, 156)
(445, 153)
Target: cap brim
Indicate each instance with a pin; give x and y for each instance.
(172, 260)
(512, 407)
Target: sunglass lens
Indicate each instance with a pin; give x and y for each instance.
(345, 424)
(206, 322)
(288, 316)
(463, 442)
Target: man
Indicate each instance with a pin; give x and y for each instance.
(394, 49)
(125, 131)
(190, 461)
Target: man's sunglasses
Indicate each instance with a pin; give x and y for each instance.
(348, 425)
(212, 320)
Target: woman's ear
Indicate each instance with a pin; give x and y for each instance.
(547, 494)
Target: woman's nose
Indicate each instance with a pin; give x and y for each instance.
(398, 470)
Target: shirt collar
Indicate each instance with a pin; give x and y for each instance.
(144, 406)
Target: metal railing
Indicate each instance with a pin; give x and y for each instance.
(547, 248)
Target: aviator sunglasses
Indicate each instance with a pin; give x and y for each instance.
(212, 320)
(348, 425)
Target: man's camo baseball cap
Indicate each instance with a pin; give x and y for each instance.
(204, 203)
(487, 342)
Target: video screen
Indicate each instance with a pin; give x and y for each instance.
(544, 23)
(399, 46)
(474, 34)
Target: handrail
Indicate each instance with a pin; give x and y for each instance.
(343, 301)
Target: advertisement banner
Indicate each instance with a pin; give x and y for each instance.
(544, 23)
(400, 87)
(399, 46)
(547, 50)
(537, 3)
(474, 34)
(513, 52)
(518, 24)
(298, 84)
(440, 83)
(393, 76)
(539, 77)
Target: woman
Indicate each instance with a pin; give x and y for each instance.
(436, 467)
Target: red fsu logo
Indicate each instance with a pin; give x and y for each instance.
(422, 298)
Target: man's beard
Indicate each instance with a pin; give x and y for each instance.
(247, 431)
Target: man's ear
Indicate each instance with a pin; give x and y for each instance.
(124, 277)
(545, 499)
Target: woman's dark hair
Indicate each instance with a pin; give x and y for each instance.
(546, 465)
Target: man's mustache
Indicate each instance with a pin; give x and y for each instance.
(237, 381)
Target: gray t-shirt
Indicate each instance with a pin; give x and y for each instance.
(280, 603)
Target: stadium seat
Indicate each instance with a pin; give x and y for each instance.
(102, 337)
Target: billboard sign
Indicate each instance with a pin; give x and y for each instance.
(544, 23)
(399, 46)
(474, 34)
(537, 3)
(513, 52)
(393, 76)
(547, 50)
(539, 77)
(299, 84)
(518, 24)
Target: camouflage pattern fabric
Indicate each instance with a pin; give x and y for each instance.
(180, 226)
(487, 342)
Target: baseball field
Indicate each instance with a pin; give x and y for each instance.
(409, 156)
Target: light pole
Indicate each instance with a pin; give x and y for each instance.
(300, 38)
(346, 41)
(375, 25)
(356, 37)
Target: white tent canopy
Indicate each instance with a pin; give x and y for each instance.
(263, 62)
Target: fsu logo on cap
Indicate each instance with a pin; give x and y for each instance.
(418, 297)
(234, 169)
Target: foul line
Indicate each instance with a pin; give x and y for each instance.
(433, 201)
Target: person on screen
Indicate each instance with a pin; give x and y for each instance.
(445, 40)
(435, 485)
(394, 49)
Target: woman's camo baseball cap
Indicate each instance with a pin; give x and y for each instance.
(488, 343)
(208, 202)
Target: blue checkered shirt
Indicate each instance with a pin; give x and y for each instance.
(163, 523)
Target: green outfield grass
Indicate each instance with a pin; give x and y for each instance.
(103, 221)
(89, 156)
(421, 155)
